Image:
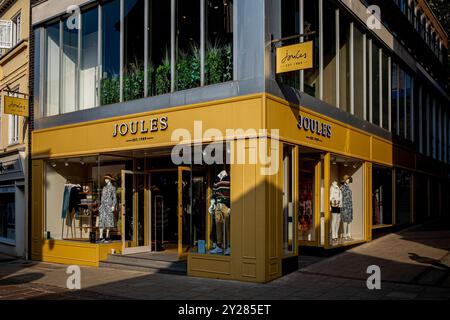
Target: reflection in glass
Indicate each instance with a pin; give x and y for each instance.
(219, 44)
(188, 44)
(159, 47)
(110, 83)
(89, 60)
(69, 67)
(52, 70)
(134, 34)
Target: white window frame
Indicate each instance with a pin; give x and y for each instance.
(16, 28)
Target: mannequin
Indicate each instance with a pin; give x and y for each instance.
(220, 211)
(347, 206)
(336, 205)
(107, 207)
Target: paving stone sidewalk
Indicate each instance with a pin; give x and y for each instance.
(414, 265)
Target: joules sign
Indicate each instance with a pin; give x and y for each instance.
(140, 127)
(314, 126)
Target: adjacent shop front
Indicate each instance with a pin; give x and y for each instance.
(126, 186)
(12, 203)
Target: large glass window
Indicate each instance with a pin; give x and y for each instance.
(344, 63)
(82, 73)
(7, 213)
(381, 196)
(311, 23)
(359, 66)
(408, 106)
(290, 24)
(219, 44)
(52, 69)
(69, 67)
(329, 53)
(188, 44)
(89, 59)
(134, 34)
(110, 77)
(401, 102)
(159, 47)
(385, 90)
(375, 84)
(346, 200)
(74, 198)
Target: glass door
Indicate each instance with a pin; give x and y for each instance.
(185, 240)
(135, 212)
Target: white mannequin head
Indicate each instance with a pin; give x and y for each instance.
(222, 174)
(107, 181)
(334, 183)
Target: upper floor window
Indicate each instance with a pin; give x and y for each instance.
(16, 29)
(10, 32)
(126, 50)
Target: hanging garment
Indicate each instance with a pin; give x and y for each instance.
(347, 203)
(107, 207)
(75, 199)
(66, 200)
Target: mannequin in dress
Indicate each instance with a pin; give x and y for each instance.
(347, 206)
(107, 208)
(336, 205)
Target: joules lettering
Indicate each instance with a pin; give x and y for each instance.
(315, 126)
(142, 126)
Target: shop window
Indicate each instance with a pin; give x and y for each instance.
(7, 213)
(311, 23)
(329, 53)
(219, 44)
(359, 66)
(403, 197)
(187, 44)
(288, 199)
(110, 72)
(346, 201)
(52, 69)
(159, 47)
(308, 162)
(82, 198)
(134, 35)
(381, 196)
(89, 59)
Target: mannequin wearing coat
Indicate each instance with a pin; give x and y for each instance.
(336, 205)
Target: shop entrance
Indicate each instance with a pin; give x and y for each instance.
(163, 210)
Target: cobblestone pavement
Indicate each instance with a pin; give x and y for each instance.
(414, 264)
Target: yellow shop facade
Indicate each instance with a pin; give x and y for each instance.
(272, 212)
(153, 144)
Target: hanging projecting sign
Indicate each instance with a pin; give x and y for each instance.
(295, 57)
(16, 106)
